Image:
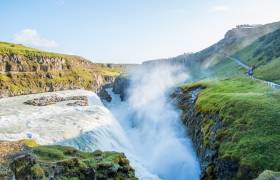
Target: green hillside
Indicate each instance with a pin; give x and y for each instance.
(250, 118)
(264, 53)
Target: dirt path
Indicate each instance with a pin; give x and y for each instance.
(268, 83)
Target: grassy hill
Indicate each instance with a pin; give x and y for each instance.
(239, 116)
(264, 53)
(251, 43)
(247, 134)
(25, 70)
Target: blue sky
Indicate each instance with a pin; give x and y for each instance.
(128, 31)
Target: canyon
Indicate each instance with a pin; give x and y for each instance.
(194, 116)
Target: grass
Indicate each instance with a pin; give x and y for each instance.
(76, 162)
(265, 55)
(18, 49)
(250, 113)
(76, 72)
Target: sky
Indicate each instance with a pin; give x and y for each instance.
(128, 31)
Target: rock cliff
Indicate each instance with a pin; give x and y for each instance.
(120, 86)
(203, 128)
(233, 125)
(25, 70)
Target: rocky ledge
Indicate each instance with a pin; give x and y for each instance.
(60, 162)
(209, 131)
(48, 100)
(204, 139)
(120, 86)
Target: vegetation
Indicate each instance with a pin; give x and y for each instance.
(109, 165)
(18, 49)
(37, 73)
(250, 114)
(265, 54)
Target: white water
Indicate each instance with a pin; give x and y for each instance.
(87, 128)
(153, 124)
(146, 128)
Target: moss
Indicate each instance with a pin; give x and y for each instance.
(206, 130)
(250, 114)
(76, 163)
(49, 153)
(18, 49)
(37, 172)
(29, 143)
(210, 170)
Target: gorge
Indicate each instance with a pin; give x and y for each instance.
(194, 116)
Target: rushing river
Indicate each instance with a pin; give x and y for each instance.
(146, 127)
(153, 124)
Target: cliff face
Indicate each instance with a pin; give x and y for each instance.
(25, 71)
(120, 86)
(203, 129)
(233, 125)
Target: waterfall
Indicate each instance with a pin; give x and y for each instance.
(153, 124)
(87, 128)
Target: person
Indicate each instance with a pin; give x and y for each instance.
(251, 71)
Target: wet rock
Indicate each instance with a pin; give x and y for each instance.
(48, 100)
(103, 94)
(78, 103)
(120, 86)
(203, 129)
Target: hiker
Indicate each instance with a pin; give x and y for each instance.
(251, 71)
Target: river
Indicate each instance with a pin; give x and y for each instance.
(146, 127)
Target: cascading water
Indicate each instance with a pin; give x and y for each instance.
(87, 128)
(146, 128)
(153, 124)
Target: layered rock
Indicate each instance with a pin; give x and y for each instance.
(25, 71)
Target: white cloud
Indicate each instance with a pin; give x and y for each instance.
(219, 8)
(32, 38)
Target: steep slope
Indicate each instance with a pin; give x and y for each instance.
(265, 55)
(25, 70)
(212, 61)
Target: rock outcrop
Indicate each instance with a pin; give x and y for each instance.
(48, 100)
(103, 94)
(203, 129)
(120, 86)
(60, 162)
(25, 71)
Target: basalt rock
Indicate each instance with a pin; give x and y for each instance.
(103, 94)
(120, 86)
(203, 129)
